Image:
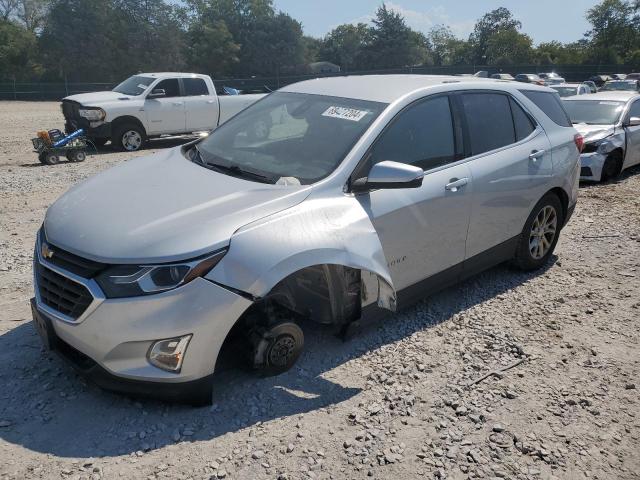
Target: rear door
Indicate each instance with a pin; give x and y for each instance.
(166, 114)
(632, 156)
(422, 230)
(201, 105)
(510, 163)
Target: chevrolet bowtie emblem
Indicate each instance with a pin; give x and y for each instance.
(46, 251)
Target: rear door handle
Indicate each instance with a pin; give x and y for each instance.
(535, 155)
(211, 101)
(455, 183)
(177, 104)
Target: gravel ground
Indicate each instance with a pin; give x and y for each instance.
(393, 402)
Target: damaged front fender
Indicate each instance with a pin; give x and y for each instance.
(320, 231)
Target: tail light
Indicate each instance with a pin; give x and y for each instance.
(579, 141)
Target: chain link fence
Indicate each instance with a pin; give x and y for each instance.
(56, 91)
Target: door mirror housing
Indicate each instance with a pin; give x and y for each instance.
(389, 175)
(633, 122)
(157, 93)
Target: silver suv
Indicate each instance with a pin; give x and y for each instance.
(333, 200)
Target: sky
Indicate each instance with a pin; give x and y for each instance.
(543, 20)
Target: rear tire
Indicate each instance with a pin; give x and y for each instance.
(540, 234)
(129, 138)
(76, 156)
(50, 159)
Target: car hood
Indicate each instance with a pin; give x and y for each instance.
(97, 98)
(592, 133)
(160, 208)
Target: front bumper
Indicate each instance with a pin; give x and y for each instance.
(110, 344)
(73, 121)
(591, 165)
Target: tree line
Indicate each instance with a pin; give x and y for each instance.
(107, 40)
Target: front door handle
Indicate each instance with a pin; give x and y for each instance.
(211, 101)
(456, 183)
(177, 104)
(535, 155)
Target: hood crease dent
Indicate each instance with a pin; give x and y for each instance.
(160, 208)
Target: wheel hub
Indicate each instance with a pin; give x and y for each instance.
(282, 350)
(543, 232)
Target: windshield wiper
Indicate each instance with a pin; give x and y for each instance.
(233, 170)
(237, 171)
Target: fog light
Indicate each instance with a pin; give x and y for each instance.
(169, 354)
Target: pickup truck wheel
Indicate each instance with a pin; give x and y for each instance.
(277, 348)
(540, 234)
(129, 138)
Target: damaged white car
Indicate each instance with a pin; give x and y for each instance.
(334, 200)
(610, 125)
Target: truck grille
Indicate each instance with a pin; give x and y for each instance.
(61, 293)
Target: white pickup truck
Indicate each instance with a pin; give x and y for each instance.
(149, 105)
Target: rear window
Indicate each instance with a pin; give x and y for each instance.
(522, 122)
(550, 104)
(194, 87)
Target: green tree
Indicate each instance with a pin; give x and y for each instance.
(27, 13)
(615, 31)
(212, 49)
(490, 24)
(18, 52)
(446, 49)
(550, 53)
(393, 44)
(508, 47)
(78, 41)
(345, 45)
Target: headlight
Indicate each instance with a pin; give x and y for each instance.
(135, 280)
(92, 114)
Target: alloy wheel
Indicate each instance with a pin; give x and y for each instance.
(543, 232)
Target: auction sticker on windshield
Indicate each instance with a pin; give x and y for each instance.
(345, 113)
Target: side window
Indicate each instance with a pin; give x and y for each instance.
(194, 87)
(522, 122)
(634, 111)
(170, 86)
(489, 121)
(421, 135)
(550, 104)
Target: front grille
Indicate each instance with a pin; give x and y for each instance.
(60, 293)
(73, 263)
(586, 172)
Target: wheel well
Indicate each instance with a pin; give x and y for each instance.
(327, 294)
(618, 154)
(127, 119)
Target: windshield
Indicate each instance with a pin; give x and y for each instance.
(566, 91)
(594, 112)
(134, 85)
(622, 85)
(289, 138)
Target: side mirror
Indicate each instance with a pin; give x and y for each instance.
(389, 175)
(157, 93)
(633, 122)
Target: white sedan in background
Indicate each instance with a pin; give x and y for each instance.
(610, 125)
(571, 89)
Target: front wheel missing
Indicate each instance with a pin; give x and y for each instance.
(277, 348)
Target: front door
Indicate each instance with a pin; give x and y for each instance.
(166, 114)
(422, 230)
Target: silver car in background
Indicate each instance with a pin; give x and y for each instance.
(610, 125)
(333, 200)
